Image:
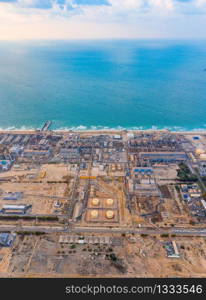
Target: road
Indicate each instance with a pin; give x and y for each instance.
(46, 229)
(147, 230)
(96, 230)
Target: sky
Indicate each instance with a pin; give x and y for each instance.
(102, 19)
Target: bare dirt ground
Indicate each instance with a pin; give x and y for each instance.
(54, 172)
(134, 256)
(39, 195)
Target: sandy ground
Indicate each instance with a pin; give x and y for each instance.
(44, 256)
(39, 195)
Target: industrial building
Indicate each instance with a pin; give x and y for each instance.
(15, 209)
(203, 204)
(15, 150)
(6, 239)
(166, 157)
(117, 137)
(13, 196)
(29, 153)
(142, 171)
(5, 165)
(102, 240)
(172, 249)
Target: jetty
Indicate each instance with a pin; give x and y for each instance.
(46, 126)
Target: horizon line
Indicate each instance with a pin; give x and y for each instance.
(107, 39)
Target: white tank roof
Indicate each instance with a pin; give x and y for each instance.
(10, 206)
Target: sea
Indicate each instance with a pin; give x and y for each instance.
(103, 84)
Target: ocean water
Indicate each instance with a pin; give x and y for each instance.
(103, 84)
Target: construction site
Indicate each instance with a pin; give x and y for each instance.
(102, 204)
(108, 255)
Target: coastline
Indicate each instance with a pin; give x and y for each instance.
(104, 131)
(99, 129)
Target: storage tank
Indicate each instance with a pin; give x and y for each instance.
(94, 214)
(95, 202)
(109, 214)
(109, 202)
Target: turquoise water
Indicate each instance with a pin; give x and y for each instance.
(98, 84)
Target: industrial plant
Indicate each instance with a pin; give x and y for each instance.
(102, 203)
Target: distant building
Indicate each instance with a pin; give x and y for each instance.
(117, 137)
(5, 165)
(143, 171)
(6, 239)
(29, 153)
(172, 250)
(203, 204)
(12, 196)
(15, 209)
(164, 156)
(202, 169)
(72, 153)
(16, 150)
(102, 240)
(130, 135)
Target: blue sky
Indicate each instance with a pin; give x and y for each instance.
(82, 19)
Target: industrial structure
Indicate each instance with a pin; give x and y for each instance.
(99, 190)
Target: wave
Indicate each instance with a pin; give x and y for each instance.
(22, 128)
(132, 128)
(107, 128)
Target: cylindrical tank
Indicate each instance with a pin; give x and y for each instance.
(109, 202)
(94, 214)
(95, 202)
(109, 214)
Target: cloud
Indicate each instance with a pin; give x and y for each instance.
(7, 1)
(102, 18)
(116, 6)
(91, 2)
(39, 4)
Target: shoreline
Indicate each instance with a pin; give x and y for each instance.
(104, 131)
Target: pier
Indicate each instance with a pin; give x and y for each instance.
(46, 126)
